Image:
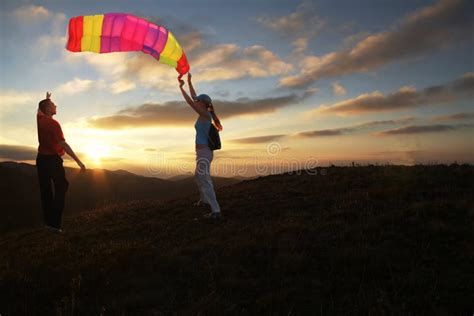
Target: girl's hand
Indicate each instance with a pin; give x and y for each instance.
(48, 95)
(181, 83)
(189, 77)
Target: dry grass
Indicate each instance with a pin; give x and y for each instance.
(387, 240)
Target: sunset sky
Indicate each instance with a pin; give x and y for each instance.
(296, 84)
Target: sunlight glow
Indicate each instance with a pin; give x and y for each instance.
(95, 151)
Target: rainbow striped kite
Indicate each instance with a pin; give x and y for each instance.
(120, 32)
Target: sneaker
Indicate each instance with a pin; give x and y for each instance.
(213, 215)
(201, 204)
(53, 229)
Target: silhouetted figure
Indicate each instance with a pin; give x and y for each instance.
(202, 104)
(52, 178)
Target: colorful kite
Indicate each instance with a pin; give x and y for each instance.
(120, 32)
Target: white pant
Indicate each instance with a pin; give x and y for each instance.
(203, 178)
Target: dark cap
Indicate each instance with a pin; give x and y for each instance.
(204, 98)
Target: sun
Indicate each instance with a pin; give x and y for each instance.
(96, 151)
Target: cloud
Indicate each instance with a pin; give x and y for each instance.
(258, 139)
(355, 128)
(220, 54)
(12, 99)
(327, 132)
(74, 86)
(303, 24)
(191, 41)
(46, 44)
(400, 121)
(179, 113)
(422, 129)
(404, 98)
(130, 68)
(122, 86)
(270, 62)
(33, 14)
(426, 30)
(121, 71)
(304, 21)
(222, 93)
(229, 61)
(350, 40)
(454, 117)
(29, 12)
(337, 89)
(14, 152)
(112, 65)
(208, 62)
(311, 91)
(300, 45)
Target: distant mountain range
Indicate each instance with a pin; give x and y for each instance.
(20, 197)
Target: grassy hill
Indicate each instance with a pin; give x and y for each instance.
(388, 240)
(20, 198)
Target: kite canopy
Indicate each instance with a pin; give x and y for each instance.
(120, 32)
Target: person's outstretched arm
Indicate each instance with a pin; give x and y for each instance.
(191, 88)
(71, 153)
(188, 99)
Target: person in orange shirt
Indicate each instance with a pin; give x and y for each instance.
(49, 164)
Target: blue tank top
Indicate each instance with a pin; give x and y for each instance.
(202, 131)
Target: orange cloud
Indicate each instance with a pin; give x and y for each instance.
(348, 130)
(337, 89)
(179, 113)
(258, 139)
(16, 152)
(355, 128)
(404, 98)
(454, 117)
(422, 129)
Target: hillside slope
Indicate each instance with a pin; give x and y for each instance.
(20, 198)
(386, 240)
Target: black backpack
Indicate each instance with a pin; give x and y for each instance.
(213, 138)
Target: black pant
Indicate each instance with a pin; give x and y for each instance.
(51, 174)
